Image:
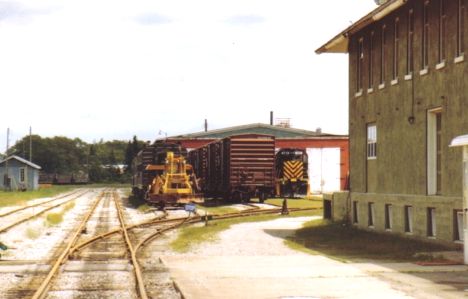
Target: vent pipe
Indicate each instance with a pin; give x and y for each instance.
(206, 125)
(271, 118)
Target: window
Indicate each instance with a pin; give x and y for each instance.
(410, 38)
(371, 141)
(371, 66)
(382, 56)
(434, 152)
(442, 25)
(425, 36)
(458, 225)
(388, 217)
(408, 219)
(460, 27)
(22, 175)
(371, 214)
(396, 37)
(360, 59)
(355, 212)
(431, 222)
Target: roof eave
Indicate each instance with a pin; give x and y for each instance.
(339, 44)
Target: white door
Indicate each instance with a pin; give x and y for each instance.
(324, 169)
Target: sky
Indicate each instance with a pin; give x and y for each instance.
(112, 69)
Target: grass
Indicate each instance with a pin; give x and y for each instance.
(17, 197)
(219, 210)
(143, 208)
(193, 235)
(33, 233)
(347, 243)
(54, 218)
(296, 203)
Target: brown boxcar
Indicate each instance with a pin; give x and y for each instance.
(237, 167)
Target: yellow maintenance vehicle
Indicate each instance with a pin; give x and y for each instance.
(174, 183)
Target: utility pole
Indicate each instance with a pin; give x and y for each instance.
(6, 181)
(30, 143)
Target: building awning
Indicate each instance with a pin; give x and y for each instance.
(460, 141)
(339, 44)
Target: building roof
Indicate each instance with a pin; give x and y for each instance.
(24, 161)
(339, 44)
(256, 128)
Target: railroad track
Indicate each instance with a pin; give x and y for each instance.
(39, 203)
(18, 216)
(108, 266)
(103, 257)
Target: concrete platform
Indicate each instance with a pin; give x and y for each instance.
(296, 276)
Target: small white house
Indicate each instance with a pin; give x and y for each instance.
(17, 173)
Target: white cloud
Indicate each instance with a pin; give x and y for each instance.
(89, 69)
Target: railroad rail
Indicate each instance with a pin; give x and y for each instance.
(136, 265)
(42, 290)
(40, 203)
(185, 220)
(70, 251)
(24, 219)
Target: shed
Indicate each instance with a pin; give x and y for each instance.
(328, 153)
(19, 174)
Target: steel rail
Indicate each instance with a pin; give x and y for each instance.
(159, 232)
(194, 220)
(43, 288)
(38, 204)
(5, 228)
(118, 230)
(136, 265)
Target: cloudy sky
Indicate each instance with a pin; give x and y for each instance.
(113, 69)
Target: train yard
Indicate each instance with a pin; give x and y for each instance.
(107, 248)
(104, 247)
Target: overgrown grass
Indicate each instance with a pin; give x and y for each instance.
(33, 232)
(54, 218)
(347, 243)
(193, 235)
(17, 197)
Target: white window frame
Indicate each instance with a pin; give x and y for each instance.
(432, 150)
(371, 141)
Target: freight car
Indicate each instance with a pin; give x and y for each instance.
(291, 172)
(237, 167)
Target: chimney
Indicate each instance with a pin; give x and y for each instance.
(271, 118)
(318, 130)
(206, 125)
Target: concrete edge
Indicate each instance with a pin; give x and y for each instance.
(174, 282)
